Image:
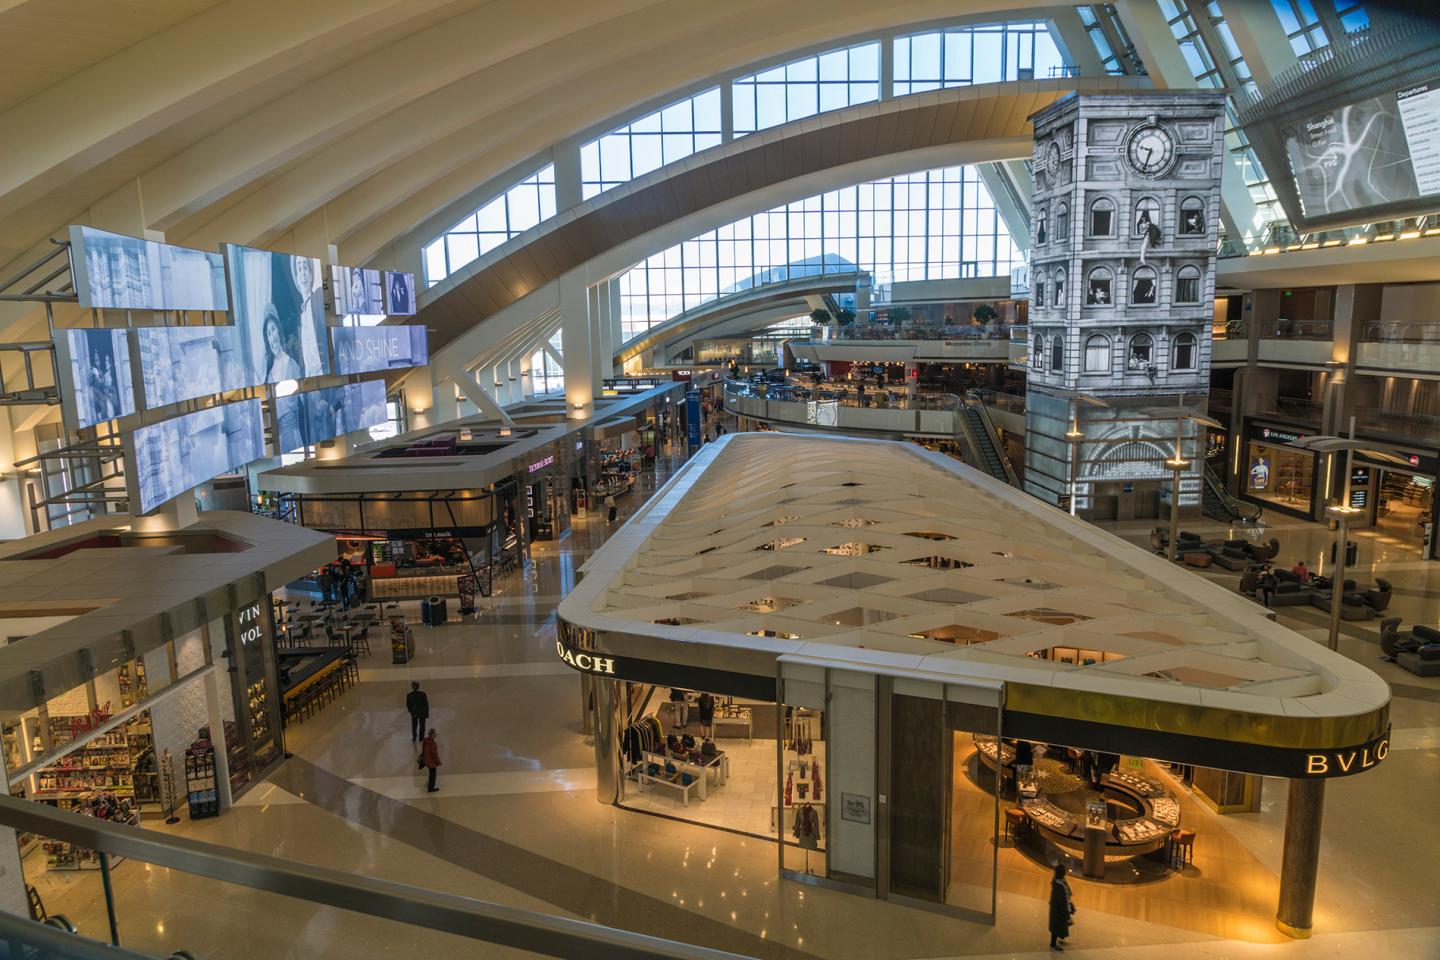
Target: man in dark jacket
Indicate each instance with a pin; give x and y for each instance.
(1062, 907)
(418, 706)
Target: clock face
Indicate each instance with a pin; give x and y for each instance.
(1151, 150)
(1052, 159)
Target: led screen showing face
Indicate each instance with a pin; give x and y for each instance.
(99, 387)
(305, 419)
(358, 291)
(399, 294)
(366, 349)
(279, 305)
(180, 454)
(113, 271)
(182, 363)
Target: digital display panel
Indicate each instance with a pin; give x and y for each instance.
(98, 367)
(305, 419)
(399, 293)
(182, 363)
(367, 349)
(278, 302)
(113, 271)
(180, 454)
(1381, 154)
(358, 291)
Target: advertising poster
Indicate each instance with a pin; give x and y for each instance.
(305, 419)
(278, 303)
(100, 388)
(113, 271)
(367, 349)
(358, 291)
(182, 363)
(399, 293)
(692, 420)
(180, 454)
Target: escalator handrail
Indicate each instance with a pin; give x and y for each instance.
(1237, 508)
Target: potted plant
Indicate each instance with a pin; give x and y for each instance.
(820, 316)
(985, 314)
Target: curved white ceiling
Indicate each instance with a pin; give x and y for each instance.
(349, 121)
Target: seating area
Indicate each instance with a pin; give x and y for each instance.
(1416, 650)
(305, 623)
(1195, 551)
(312, 678)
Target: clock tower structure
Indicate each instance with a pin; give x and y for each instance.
(1124, 233)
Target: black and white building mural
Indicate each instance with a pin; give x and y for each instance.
(1124, 231)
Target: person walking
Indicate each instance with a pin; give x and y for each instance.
(1267, 586)
(1062, 908)
(430, 759)
(610, 509)
(417, 704)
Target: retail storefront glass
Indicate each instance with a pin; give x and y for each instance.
(1277, 474)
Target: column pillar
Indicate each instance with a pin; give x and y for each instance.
(566, 157)
(1300, 862)
(609, 725)
(575, 327)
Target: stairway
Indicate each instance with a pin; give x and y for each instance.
(980, 443)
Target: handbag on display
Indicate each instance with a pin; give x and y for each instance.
(708, 748)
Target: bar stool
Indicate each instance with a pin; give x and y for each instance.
(1014, 823)
(1182, 848)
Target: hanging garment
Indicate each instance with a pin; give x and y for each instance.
(789, 786)
(817, 781)
(806, 827)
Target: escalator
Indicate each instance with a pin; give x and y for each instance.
(981, 444)
(1217, 502)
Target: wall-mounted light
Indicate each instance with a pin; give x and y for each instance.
(504, 431)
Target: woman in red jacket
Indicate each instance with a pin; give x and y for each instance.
(430, 753)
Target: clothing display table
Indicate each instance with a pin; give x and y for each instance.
(738, 717)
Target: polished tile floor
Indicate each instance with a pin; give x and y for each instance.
(516, 821)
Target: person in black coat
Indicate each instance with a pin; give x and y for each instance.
(1062, 908)
(417, 704)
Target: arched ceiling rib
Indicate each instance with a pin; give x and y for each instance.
(962, 115)
(238, 119)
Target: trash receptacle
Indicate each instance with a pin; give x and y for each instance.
(435, 612)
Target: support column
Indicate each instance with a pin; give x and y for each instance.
(1300, 862)
(446, 407)
(609, 724)
(575, 326)
(566, 157)
(481, 397)
(1075, 44)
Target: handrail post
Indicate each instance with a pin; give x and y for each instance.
(109, 898)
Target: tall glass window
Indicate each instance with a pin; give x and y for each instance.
(806, 87)
(667, 135)
(513, 212)
(967, 55)
(547, 376)
(937, 224)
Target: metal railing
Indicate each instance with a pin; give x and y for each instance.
(1421, 426)
(910, 331)
(1286, 329)
(477, 920)
(1290, 407)
(1420, 331)
(1009, 402)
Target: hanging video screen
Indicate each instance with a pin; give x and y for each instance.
(1377, 156)
(358, 291)
(279, 305)
(367, 349)
(182, 363)
(113, 271)
(98, 366)
(305, 419)
(180, 454)
(399, 293)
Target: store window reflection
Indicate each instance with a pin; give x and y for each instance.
(1280, 475)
